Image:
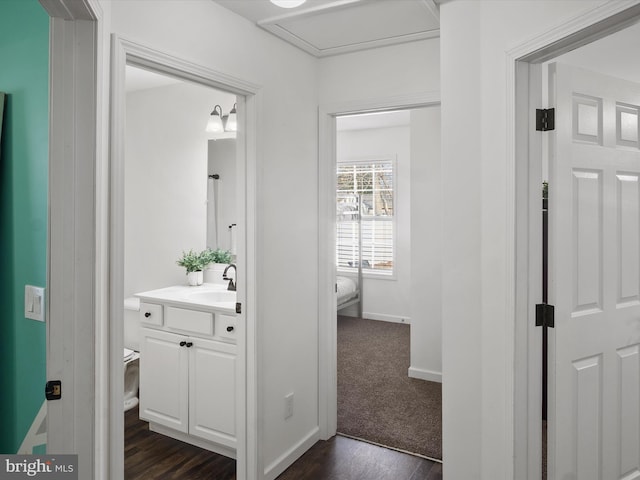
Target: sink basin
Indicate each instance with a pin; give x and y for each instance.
(213, 297)
(208, 296)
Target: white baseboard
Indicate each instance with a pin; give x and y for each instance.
(425, 374)
(383, 317)
(33, 438)
(386, 318)
(287, 458)
(190, 439)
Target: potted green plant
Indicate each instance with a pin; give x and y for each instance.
(194, 264)
(215, 261)
(216, 256)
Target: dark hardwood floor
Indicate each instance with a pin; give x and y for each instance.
(149, 456)
(342, 458)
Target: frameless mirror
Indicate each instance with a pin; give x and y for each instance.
(221, 195)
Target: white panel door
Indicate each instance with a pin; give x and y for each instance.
(594, 282)
(164, 379)
(212, 391)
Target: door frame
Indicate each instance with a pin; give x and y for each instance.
(525, 147)
(127, 52)
(327, 161)
(76, 113)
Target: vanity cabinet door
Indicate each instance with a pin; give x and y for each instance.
(212, 386)
(164, 379)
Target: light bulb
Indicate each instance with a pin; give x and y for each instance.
(232, 121)
(288, 3)
(214, 125)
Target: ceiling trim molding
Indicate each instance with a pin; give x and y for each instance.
(326, 52)
(287, 36)
(432, 7)
(384, 42)
(278, 26)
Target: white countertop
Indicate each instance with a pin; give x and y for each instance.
(211, 297)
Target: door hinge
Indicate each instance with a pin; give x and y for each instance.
(545, 119)
(238, 308)
(53, 390)
(545, 315)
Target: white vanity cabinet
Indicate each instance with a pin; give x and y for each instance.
(188, 375)
(164, 379)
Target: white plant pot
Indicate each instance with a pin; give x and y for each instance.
(195, 278)
(213, 273)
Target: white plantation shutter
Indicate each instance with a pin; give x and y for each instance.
(365, 199)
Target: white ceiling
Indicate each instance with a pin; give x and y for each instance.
(330, 27)
(140, 79)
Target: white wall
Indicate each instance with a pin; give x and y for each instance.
(426, 245)
(386, 298)
(477, 364)
(165, 181)
(200, 31)
(386, 72)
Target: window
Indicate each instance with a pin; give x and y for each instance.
(366, 197)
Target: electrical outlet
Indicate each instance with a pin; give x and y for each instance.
(288, 405)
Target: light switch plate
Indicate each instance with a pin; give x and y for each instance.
(34, 305)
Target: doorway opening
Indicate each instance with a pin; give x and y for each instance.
(328, 334)
(198, 192)
(381, 165)
(536, 82)
(173, 204)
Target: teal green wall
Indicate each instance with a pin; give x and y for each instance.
(24, 77)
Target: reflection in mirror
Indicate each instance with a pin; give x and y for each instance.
(221, 195)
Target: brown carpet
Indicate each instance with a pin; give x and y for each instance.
(377, 401)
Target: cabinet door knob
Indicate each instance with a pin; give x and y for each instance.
(183, 343)
(189, 344)
(229, 328)
(147, 314)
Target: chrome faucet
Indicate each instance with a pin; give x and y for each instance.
(232, 286)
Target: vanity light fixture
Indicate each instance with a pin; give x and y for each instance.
(219, 123)
(231, 121)
(288, 3)
(214, 124)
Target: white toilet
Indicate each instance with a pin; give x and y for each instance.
(131, 352)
